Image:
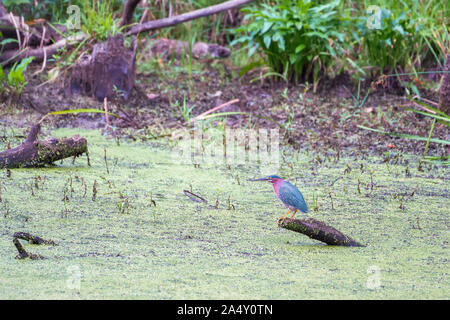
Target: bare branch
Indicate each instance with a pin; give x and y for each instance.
(172, 21)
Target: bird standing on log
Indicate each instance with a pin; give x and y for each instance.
(288, 194)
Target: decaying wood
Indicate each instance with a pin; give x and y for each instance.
(37, 153)
(318, 230)
(444, 97)
(169, 48)
(31, 239)
(107, 71)
(172, 21)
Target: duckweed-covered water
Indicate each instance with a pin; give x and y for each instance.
(123, 246)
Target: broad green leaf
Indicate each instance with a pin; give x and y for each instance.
(267, 41)
(300, 47)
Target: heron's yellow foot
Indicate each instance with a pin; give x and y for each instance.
(283, 216)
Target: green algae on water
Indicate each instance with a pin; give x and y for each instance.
(141, 237)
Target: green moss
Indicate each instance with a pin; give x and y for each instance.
(179, 249)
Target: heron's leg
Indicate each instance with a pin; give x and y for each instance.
(295, 211)
(284, 216)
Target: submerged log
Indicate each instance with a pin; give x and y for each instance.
(318, 230)
(31, 239)
(38, 153)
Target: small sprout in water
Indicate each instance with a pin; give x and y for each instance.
(151, 199)
(85, 187)
(230, 205)
(419, 167)
(315, 201)
(407, 172)
(36, 182)
(347, 169)
(106, 161)
(88, 160)
(31, 188)
(331, 198)
(371, 180)
(6, 208)
(94, 190)
(417, 226)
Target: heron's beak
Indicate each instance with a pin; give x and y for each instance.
(261, 179)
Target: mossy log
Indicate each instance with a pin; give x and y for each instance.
(38, 153)
(318, 230)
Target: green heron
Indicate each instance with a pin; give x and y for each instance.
(291, 197)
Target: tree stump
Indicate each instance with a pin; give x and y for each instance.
(37, 153)
(318, 230)
(109, 70)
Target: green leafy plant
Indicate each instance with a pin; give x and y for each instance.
(386, 37)
(399, 35)
(97, 20)
(184, 110)
(15, 81)
(299, 38)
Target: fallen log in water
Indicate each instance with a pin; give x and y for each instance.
(318, 230)
(38, 153)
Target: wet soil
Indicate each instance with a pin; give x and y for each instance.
(325, 121)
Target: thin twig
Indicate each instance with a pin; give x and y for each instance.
(194, 197)
(172, 21)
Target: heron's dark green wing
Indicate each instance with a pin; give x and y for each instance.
(291, 196)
